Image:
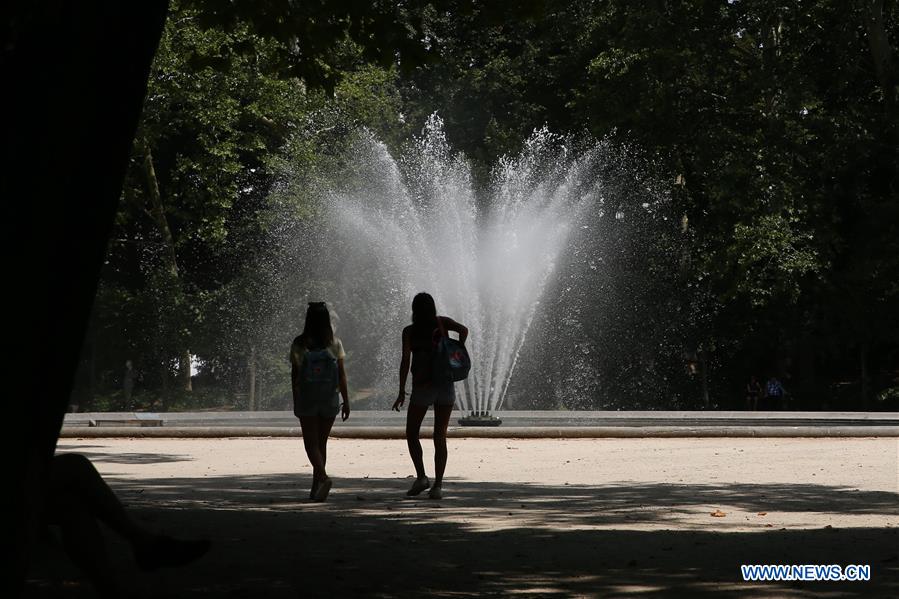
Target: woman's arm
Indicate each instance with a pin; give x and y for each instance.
(452, 325)
(345, 406)
(294, 382)
(404, 370)
(294, 374)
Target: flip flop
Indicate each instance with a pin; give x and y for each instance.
(324, 487)
(418, 486)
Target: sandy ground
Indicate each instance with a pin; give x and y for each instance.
(580, 517)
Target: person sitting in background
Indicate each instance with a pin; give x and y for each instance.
(753, 391)
(774, 393)
(78, 500)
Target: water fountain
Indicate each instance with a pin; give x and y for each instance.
(390, 227)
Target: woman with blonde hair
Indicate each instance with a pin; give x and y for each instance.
(318, 379)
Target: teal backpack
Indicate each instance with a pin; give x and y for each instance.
(450, 361)
(318, 376)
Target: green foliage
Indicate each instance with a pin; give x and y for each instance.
(213, 115)
(778, 124)
(770, 259)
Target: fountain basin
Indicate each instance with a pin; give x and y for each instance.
(480, 419)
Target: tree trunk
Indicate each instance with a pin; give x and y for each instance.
(80, 72)
(704, 379)
(92, 367)
(252, 368)
(156, 211)
(808, 372)
(259, 397)
(164, 385)
(863, 372)
(184, 371)
(882, 55)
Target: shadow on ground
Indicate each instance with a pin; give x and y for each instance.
(494, 539)
(100, 457)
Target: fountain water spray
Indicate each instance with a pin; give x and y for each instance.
(395, 227)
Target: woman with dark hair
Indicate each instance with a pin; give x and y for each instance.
(418, 343)
(317, 374)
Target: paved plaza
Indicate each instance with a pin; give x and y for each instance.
(535, 517)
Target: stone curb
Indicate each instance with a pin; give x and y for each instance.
(544, 432)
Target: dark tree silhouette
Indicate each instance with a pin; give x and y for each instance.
(78, 74)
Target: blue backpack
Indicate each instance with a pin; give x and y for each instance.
(318, 376)
(449, 359)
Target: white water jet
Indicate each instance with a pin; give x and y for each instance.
(397, 227)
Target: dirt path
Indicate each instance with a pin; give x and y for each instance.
(577, 517)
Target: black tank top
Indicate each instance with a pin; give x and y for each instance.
(422, 340)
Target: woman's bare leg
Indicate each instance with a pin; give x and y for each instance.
(74, 478)
(414, 417)
(85, 545)
(310, 427)
(441, 422)
(324, 431)
(78, 499)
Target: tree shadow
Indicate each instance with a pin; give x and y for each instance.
(126, 458)
(608, 503)
(497, 539)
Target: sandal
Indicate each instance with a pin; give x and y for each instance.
(418, 486)
(324, 487)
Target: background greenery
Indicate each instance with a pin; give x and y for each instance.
(776, 125)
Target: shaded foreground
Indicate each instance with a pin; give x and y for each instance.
(584, 517)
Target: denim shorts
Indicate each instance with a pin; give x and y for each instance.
(325, 409)
(438, 395)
